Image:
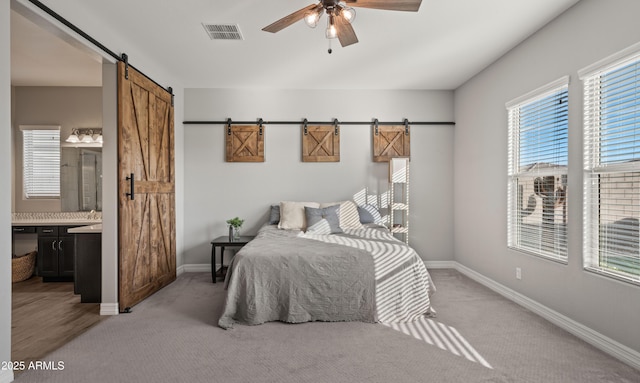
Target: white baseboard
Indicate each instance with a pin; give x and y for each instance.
(6, 376)
(196, 268)
(594, 338)
(440, 264)
(109, 309)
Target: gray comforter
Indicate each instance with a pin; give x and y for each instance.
(363, 275)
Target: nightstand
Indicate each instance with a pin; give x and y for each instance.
(223, 242)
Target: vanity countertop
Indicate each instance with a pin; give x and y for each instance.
(97, 228)
(56, 218)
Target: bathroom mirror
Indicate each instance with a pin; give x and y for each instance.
(81, 179)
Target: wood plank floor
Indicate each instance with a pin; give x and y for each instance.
(45, 316)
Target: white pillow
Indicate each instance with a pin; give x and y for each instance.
(292, 215)
(349, 217)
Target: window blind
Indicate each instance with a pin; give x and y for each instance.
(537, 170)
(612, 168)
(41, 162)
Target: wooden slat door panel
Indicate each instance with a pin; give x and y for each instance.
(320, 144)
(391, 142)
(147, 250)
(245, 143)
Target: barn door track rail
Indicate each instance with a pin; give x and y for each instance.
(303, 122)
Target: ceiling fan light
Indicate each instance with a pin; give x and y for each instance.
(312, 18)
(331, 32)
(348, 13)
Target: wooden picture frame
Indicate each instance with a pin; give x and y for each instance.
(245, 143)
(321, 143)
(391, 141)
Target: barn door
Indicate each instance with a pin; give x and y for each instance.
(147, 250)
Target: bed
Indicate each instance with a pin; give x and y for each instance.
(359, 273)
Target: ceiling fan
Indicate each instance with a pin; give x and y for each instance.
(340, 15)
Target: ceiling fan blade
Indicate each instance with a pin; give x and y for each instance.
(391, 5)
(345, 32)
(288, 20)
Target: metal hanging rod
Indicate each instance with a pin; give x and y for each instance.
(302, 122)
(93, 41)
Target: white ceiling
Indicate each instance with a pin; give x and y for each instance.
(38, 58)
(439, 47)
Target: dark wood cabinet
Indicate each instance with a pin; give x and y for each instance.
(56, 253)
(23, 236)
(23, 229)
(64, 256)
(88, 256)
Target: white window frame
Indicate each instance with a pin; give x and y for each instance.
(40, 168)
(594, 168)
(515, 239)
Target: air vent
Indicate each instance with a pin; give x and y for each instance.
(223, 31)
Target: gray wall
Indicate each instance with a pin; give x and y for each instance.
(216, 190)
(5, 189)
(69, 107)
(586, 33)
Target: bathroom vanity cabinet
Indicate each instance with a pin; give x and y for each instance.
(56, 253)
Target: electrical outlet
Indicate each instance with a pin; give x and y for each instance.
(518, 273)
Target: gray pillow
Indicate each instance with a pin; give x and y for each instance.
(324, 220)
(274, 215)
(369, 214)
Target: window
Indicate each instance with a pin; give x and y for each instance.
(537, 190)
(612, 165)
(41, 161)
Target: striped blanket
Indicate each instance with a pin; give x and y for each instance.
(402, 284)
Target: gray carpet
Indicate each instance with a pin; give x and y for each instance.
(478, 336)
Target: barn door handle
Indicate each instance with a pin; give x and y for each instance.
(131, 187)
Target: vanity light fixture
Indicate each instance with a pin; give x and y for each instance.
(85, 137)
(73, 137)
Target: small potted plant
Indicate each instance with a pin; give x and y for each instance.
(234, 227)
